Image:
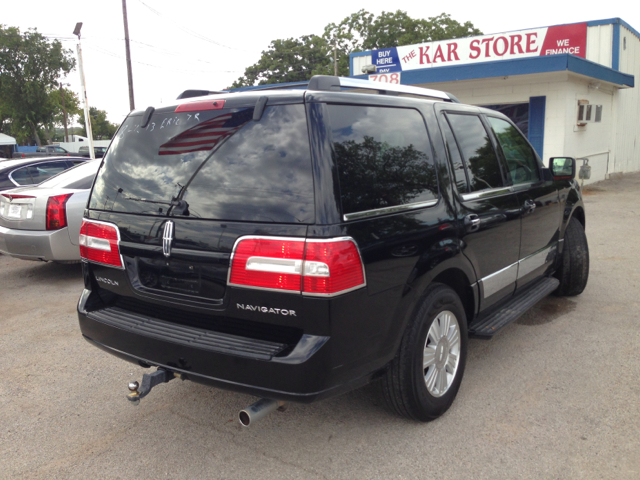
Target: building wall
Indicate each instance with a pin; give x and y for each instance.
(594, 141)
(599, 41)
(627, 131)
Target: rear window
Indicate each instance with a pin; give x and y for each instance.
(214, 164)
(79, 177)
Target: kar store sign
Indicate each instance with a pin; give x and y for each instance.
(487, 48)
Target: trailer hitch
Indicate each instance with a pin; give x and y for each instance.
(149, 380)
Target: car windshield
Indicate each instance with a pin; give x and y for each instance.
(69, 178)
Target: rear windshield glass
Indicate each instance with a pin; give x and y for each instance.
(79, 177)
(215, 164)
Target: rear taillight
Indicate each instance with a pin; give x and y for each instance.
(312, 267)
(56, 211)
(99, 243)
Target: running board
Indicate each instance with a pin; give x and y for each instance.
(487, 327)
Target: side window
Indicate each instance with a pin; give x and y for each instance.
(383, 157)
(457, 164)
(59, 150)
(22, 177)
(43, 171)
(521, 162)
(477, 152)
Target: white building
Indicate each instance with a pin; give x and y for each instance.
(569, 87)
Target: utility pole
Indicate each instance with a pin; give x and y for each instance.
(87, 117)
(132, 104)
(64, 112)
(335, 56)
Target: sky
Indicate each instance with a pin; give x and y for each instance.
(197, 44)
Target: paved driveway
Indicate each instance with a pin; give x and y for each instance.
(555, 395)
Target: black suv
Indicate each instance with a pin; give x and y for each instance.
(295, 244)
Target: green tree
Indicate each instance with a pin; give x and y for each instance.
(101, 128)
(30, 69)
(71, 105)
(299, 59)
(288, 60)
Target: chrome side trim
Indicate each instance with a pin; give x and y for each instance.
(497, 281)
(536, 260)
(503, 278)
(491, 192)
(387, 210)
(523, 186)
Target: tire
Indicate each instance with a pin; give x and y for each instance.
(408, 388)
(573, 271)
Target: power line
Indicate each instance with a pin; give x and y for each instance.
(107, 52)
(191, 32)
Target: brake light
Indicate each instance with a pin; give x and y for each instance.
(312, 267)
(99, 243)
(332, 267)
(56, 211)
(200, 106)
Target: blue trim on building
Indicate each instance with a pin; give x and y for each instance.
(629, 27)
(606, 21)
(520, 66)
(537, 109)
(614, 21)
(615, 47)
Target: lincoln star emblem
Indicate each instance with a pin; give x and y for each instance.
(167, 238)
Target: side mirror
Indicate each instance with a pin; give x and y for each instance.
(563, 168)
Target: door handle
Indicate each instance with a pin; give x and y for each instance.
(529, 206)
(472, 222)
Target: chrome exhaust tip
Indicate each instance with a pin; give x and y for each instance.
(258, 410)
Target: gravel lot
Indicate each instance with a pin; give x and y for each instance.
(555, 395)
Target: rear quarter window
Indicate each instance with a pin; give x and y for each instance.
(383, 156)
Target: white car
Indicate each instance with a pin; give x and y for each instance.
(42, 222)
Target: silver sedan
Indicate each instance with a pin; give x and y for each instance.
(43, 222)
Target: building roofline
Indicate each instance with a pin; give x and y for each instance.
(614, 21)
(591, 23)
(519, 66)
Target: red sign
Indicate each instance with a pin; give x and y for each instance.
(561, 39)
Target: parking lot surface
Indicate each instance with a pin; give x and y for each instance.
(555, 395)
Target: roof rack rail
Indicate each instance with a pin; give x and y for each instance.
(330, 83)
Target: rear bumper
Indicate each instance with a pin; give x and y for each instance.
(38, 244)
(306, 374)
